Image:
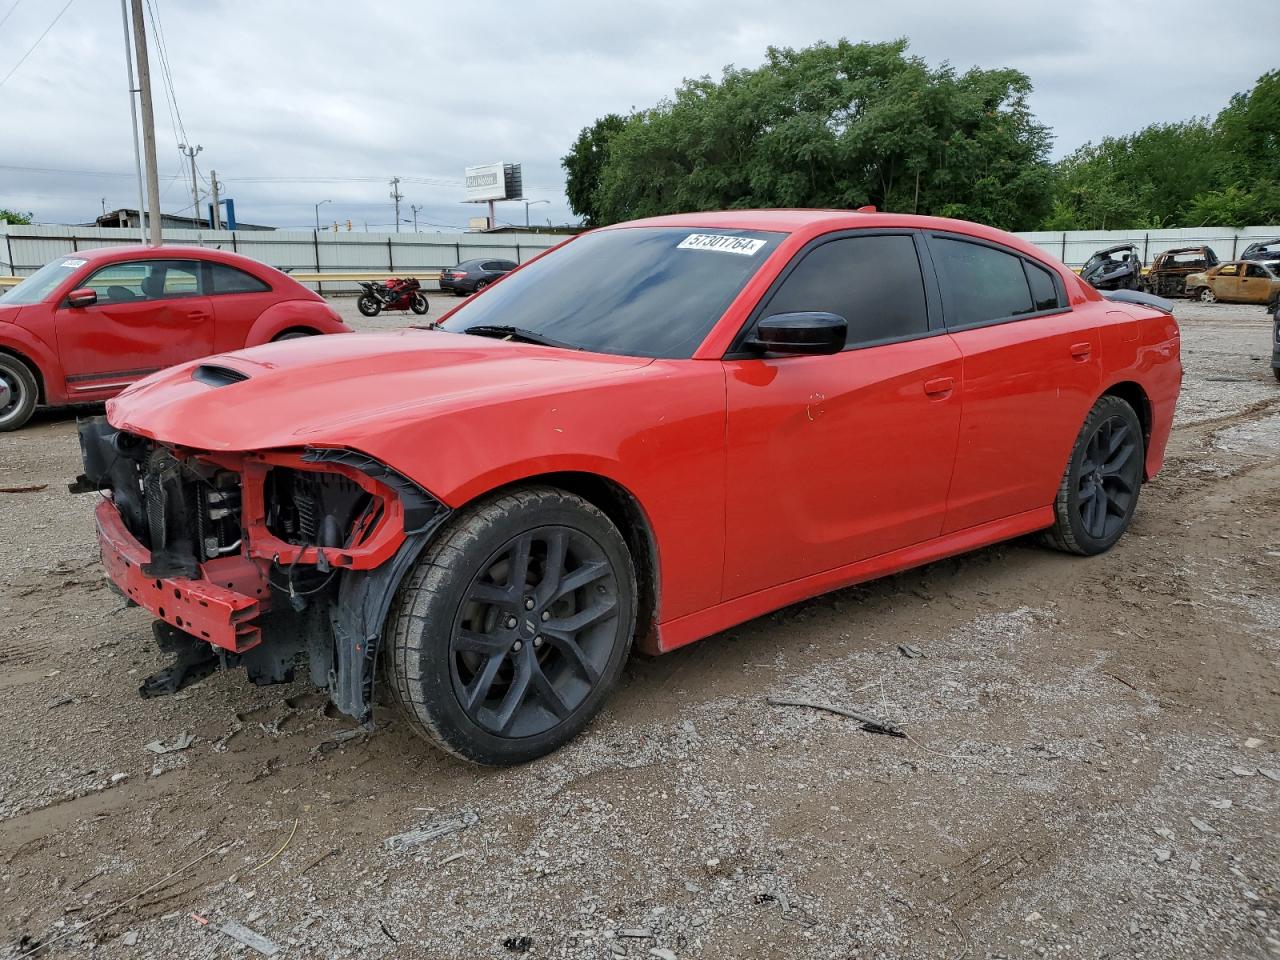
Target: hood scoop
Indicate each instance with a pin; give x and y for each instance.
(216, 376)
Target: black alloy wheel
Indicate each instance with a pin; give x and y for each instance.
(535, 632)
(512, 629)
(1099, 491)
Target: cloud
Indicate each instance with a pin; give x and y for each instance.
(326, 89)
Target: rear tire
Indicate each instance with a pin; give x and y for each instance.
(512, 629)
(293, 335)
(369, 306)
(1099, 491)
(18, 395)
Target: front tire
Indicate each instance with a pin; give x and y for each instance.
(18, 393)
(369, 306)
(1206, 295)
(512, 629)
(1099, 490)
(419, 304)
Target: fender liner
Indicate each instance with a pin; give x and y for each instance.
(356, 617)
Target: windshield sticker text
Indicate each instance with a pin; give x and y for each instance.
(745, 246)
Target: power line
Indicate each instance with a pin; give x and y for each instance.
(31, 48)
(10, 13)
(171, 93)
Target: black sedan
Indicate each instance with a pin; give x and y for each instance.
(472, 275)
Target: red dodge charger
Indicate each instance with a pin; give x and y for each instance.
(651, 433)
(84, 326)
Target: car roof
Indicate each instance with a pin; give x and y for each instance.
(807, 223)
(134, 251)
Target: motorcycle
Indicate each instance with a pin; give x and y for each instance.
(395, 294)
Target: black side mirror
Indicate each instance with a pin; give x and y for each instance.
(84, 297)
(800, 333)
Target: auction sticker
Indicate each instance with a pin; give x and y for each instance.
(745, 246)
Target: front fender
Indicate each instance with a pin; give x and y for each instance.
(22, 342)
(291, 315)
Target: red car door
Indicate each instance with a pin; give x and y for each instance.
(238, 300)
(1032, 370)
(150, 314)
(834, 459)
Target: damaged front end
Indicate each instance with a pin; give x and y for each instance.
(255, 559)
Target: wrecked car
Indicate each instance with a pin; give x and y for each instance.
(1238, 281)
(1170, 269)
(1107, 271)
(651, 433)
(1266, 250)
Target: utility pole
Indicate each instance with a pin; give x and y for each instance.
(217, 211)
(133, 116)
(397, 196)
(190, 153)
(148, 123)
(415, 208)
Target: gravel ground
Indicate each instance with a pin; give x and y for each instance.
(1091, 769)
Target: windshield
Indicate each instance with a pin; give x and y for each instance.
(42, 283)
(634, 291)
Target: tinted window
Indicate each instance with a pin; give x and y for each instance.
(225, 279)
(982, 283)
(1044, 292)
(1256, 271)
(492, 265)
(873, 282)
(146, 280)
(634, 291)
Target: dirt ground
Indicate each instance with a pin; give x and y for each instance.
(1092, 769)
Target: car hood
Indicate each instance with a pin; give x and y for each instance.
(337, 391)
(9, 312)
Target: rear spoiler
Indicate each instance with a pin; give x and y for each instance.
(1143, 299)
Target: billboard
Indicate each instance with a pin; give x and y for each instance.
(494, 181)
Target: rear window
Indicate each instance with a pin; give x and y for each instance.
(982, 284)
(225, 279)
(632, 291)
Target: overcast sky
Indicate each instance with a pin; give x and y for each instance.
(296, 89)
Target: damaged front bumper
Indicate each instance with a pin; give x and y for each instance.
(262, 559)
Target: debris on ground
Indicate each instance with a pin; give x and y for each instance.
(34, 488)
(255, 941)
(869, 723)
(183, 741)
(910, 651)
(338, 739)
(130, 939)
(413, 838)
(521, 944)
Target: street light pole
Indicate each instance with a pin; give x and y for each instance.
(318, 205)
(527, 205)
(415, 208)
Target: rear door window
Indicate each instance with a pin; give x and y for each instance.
(873, 282)
(1044, 290)
(980, 283)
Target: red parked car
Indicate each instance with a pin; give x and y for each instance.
(649, 434)
(84, 326)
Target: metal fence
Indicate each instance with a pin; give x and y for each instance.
(23, 249)
(1074, 247)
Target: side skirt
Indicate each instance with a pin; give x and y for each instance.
(695, 626)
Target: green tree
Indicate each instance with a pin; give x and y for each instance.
(14, 217)
(832, 125)
(583, 163)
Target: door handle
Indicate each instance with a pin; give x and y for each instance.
(939, 387)
(1081, 351)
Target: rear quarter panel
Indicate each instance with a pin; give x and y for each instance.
(1144, 346)
(291, 314)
